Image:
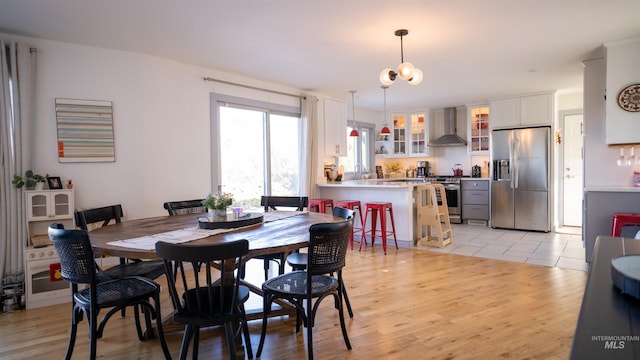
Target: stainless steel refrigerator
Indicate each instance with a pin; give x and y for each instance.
(520, 179)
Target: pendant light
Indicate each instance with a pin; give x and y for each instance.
(405, 71)
(354, 132)
(385, 128)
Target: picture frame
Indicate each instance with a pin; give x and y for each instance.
(85, 131)
(54, 182)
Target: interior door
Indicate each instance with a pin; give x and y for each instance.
(572, 170)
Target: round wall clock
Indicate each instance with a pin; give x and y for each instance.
(629, 98)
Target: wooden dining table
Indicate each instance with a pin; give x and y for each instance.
(284, 235)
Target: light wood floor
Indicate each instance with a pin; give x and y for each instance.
(409, 304)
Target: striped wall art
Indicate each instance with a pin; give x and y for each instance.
(85, 130)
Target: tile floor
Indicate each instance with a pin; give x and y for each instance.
(555, 249)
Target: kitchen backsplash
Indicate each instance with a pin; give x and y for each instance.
(442, 160)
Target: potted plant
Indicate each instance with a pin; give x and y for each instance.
(30, 179)
(217, 205)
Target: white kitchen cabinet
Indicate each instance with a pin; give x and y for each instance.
(478, 129)
(622, 59)
(410, 134)
(45, 207)
(530, 110)
(335, 127)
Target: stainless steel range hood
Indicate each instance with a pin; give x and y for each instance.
(450, 138)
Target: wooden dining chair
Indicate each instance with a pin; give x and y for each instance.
(151, 269)
(204, 296)
(78, 267)
(185, 207)
(328, 244)
(272, 203)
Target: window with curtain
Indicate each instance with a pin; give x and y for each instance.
(259, 151)
(360, 150)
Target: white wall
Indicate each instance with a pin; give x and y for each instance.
(161, 123)
(600, 159)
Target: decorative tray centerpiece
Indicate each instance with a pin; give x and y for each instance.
(625, 273)
(232, 221)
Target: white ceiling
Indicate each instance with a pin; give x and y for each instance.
(468, 50)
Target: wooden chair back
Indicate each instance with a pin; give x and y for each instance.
(296, 202)
(104, 214)
(185, 207)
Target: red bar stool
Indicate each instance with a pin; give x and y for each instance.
(355, 206)
(320, 205)
(378, 208)
(622, 219)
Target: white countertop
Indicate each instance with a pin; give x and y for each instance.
(613, 188)
(396, 183)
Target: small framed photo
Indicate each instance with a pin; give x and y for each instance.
(54, 182)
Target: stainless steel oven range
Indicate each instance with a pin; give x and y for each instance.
(452, 191)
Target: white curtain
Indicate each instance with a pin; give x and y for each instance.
(17, 77)
(309, 112)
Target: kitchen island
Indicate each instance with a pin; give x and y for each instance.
(600, 203)
(399, 192)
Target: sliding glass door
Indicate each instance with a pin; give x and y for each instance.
(242, 160)
(259, 153)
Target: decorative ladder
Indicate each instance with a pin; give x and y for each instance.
(432, 216)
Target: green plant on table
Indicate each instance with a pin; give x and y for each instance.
(218, 202)
(30, 179)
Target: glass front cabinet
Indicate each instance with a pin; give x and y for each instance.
(409, 136)
(478, 131)
(45, 207)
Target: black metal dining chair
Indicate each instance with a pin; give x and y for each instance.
(202, 298)
(151, 269)
(296, 203)
(328, 243)
(299, 260)
(185, 207)
(78, 267)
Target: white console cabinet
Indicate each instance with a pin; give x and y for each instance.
(44, 284)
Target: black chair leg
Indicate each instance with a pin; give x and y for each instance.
(148, 334)
(136, 316)
(245, 329)
(196, 342)
(266, 307)
(310, 321)
(163, 342)
(231, 343)
(346, 299)
(342, 322)
(72, 338)
(93, 334)
(186, 339)
(266, 269)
